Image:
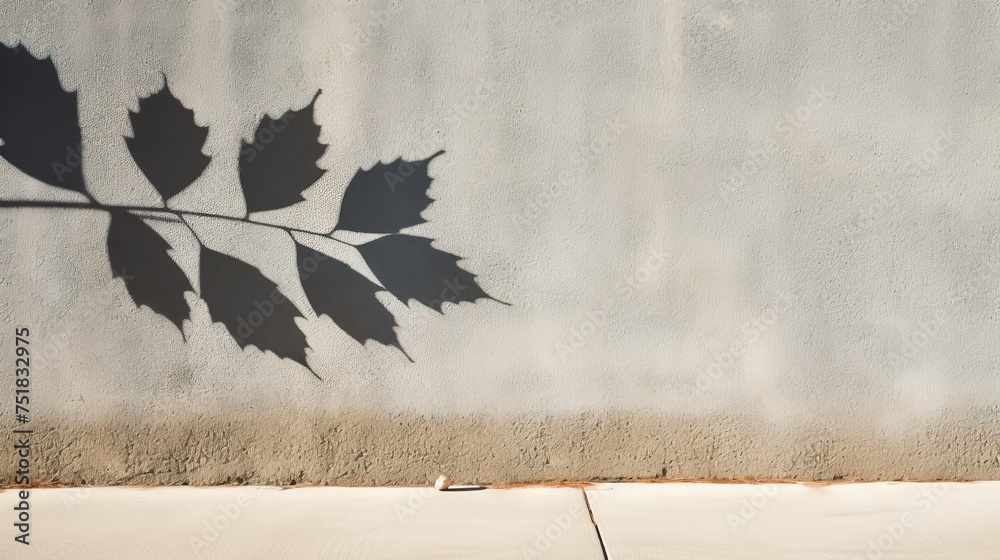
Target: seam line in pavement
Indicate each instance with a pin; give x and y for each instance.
(593, 520)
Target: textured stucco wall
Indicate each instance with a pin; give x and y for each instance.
(738, 239)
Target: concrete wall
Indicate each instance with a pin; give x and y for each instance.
(737, 239)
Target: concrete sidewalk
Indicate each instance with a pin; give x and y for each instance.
(633, 521)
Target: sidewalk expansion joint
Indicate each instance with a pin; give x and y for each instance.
(593, 520)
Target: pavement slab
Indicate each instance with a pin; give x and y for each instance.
(871, 521)
(301, 523)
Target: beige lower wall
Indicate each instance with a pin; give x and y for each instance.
(406, 449)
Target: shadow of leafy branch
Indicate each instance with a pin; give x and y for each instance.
(40, 135)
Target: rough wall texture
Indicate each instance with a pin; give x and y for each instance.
(738, 239)
(351, 449)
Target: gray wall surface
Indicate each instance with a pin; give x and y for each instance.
(737, 239)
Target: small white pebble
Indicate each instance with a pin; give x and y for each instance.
(442, 483)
